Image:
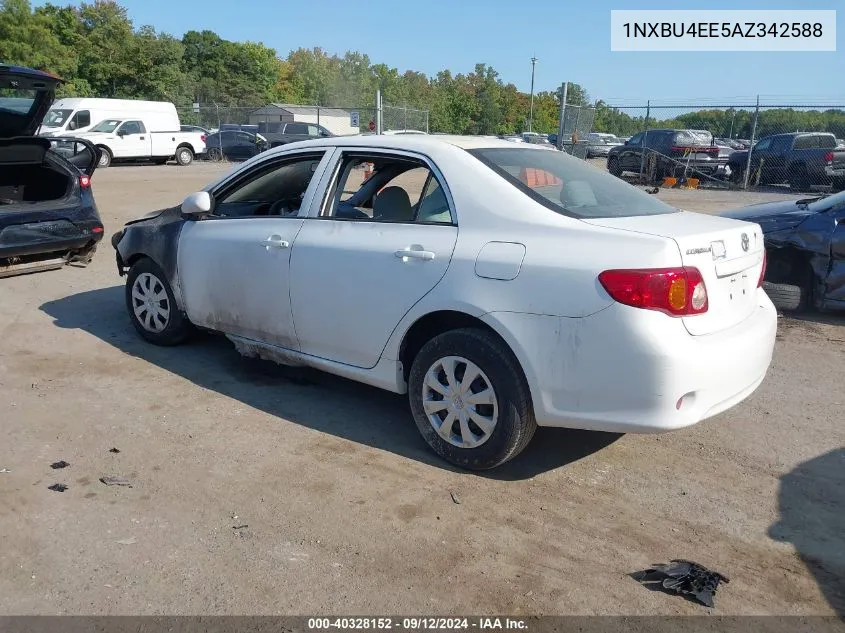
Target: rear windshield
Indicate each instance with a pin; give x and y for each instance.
(569, 185)
(16, 101)
(693, 137)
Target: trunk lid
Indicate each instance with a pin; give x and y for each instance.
(727, 252)
(25, 96)
(30, 150)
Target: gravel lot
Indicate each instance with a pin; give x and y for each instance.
(259, 490)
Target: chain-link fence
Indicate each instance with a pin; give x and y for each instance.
(404, 119)
(711, 145)
(576, 129)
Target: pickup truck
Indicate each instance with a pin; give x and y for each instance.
(129, 140)
(278, 133)
(799, 158)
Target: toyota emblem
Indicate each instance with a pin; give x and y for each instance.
(745, 242)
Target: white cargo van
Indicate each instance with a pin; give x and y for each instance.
(79, 114)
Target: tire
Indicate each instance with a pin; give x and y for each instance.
(613, 167)
(105, 157)
(147, 280)
(184, 156)
(509, 413)
(799, 180)
(787, 297)
(215, 154)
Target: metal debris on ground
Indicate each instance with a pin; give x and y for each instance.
(455, 497)
(4, 470)
(127, 541)
(114, 450)
(57, 487)
(116, 480)
(239, 527)
(59, 464)
(684, 577)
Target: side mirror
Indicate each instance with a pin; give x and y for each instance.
(627, 142)
(197, 205)
(121, 132)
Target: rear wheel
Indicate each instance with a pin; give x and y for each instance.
(470, 400)
(215, 154)
(184, 156)
(105, 157)
(799, 180)
(152, 306)
(613, 167)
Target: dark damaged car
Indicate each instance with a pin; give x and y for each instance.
(805, 248)
(48, 217)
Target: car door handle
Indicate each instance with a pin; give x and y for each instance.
(414, 254)
(275, 241)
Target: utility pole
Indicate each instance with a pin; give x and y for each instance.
(531, 111)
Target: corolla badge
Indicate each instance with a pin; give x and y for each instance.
(745, 242)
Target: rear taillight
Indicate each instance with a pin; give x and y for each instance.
(85, 181)
(762, 271)
(828, 157)
(202, 137)
(674, 291)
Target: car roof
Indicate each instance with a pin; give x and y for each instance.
(419, 142)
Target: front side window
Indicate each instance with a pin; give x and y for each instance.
(384, 188)
(296, 128)
(80, 119)
(636, 140)
(132, 127)
(275, 190)
(568, 185)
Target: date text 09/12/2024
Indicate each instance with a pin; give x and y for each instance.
(417, 623)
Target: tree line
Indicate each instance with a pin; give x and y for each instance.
(99, 52)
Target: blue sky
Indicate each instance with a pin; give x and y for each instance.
(570, 39)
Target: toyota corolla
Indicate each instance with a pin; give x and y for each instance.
(499, 286)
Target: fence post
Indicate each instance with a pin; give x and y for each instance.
(426, 122)
(563, 89)
(645, 138)
(378, 112)
(318, 115)
(406, 117)
(751, 145)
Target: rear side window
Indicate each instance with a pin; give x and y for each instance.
(296, 128)
(805, 142)
(568, 185)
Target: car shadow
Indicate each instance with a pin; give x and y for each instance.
(811, 502)
(381, 420)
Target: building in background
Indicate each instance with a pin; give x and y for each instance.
(335, 120)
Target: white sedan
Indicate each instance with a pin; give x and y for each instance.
(500, 286)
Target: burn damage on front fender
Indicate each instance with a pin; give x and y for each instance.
(156, 236)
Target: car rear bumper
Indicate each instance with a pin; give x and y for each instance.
(627, 370)
(52, 236)
(835, 172)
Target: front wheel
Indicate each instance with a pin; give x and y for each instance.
(152, 306)
(613, 167)
(470, 400)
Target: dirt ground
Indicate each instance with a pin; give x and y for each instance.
(258, 490)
